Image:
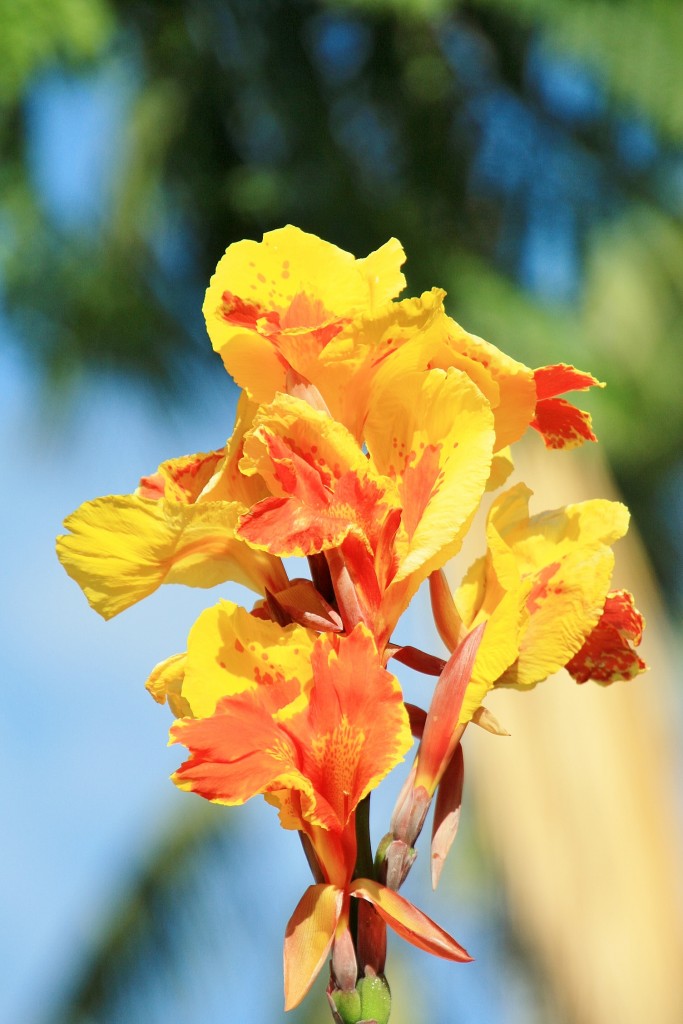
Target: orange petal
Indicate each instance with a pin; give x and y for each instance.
(308, 939)
(322, 484)
(409, 922)
(240, 750)
(359, 728)
(561, 424)
(552, 381)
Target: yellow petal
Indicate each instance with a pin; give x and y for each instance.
(165, 682)
(394, 335)
(228, 483)
(230, 651)
(181, 480)
(123, 547)
(501, 468)
(432, 432)
(290, 294)
(514, 409)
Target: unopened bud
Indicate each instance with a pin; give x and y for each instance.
(375, 999)
(370, 1001)
(347, 1006)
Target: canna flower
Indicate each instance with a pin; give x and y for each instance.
(368, 431)
(294, 302)
(397, 514)
(543, 590)
(178, 527)
(315, 759)
(277, 305)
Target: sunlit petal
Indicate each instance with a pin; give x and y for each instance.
(121, 548)
(409, 922)
(308, 939)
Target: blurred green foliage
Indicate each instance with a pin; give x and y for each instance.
(526, 152)
(359, 120)
(34, 33)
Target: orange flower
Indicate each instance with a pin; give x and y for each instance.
(315, 763)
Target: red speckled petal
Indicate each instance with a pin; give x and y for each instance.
(561, 424)
(359, 728)
(608, 654)
(552, 381)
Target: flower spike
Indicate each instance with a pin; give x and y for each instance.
(368, 433)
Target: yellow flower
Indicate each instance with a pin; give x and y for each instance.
(178, 527)
(276, 304)
(541, 589)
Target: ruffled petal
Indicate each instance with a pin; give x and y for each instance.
(432, 432)
(121, 548)
(559, 422)
(358, 726)
(230, 651)
(322, 484)
(279, 302)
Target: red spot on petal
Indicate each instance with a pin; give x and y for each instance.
(541, 587)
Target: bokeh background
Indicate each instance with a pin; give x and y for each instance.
(529, 155)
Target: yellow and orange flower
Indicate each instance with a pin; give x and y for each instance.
(408, 504)
(368, 431)
(542, 589)
(277, 305)
(315, 760)
(178, 527)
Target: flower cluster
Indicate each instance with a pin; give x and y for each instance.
(368, 432)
